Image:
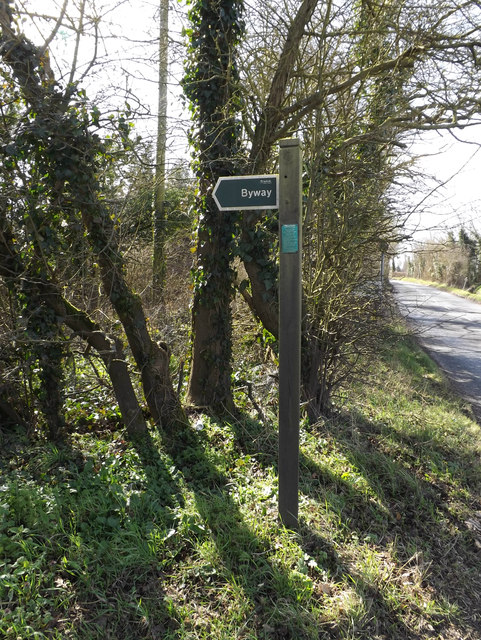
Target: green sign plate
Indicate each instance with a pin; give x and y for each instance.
(289, 238)
(234, 193)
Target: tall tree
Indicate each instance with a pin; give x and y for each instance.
(159, 221)
(53, 133)
(270, 98)
(313, 59)
(211, 85)
(350, 217)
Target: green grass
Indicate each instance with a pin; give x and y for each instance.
(180, 539)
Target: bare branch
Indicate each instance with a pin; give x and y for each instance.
(54, 31)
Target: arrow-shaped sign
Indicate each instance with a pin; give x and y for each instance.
(247, 192)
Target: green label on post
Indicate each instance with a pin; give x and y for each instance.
(289, 238)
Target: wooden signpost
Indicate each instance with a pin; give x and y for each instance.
(290, 230)
(283, 192)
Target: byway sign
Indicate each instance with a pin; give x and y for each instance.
(247, 192)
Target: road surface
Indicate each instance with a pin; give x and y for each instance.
(449, 328)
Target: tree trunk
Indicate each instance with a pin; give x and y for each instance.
(314, 389)
(159, 221)
(110, 350)
(211, 83)
(210, 378)
(151, 358)
(72, 148)
(263, 275)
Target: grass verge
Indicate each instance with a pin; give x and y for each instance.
(475, 297)
(109, 539)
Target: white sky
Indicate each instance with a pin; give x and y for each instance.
(454, 162)
(127, 60)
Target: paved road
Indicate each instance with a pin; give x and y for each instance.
(449, 328)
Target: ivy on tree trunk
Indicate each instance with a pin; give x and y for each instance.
(46, 294)
(211, 85)
(69, 164)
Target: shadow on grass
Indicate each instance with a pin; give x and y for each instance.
(84, 527)
(423, 516)
(273, 606)
(118, 551)
(399, 507)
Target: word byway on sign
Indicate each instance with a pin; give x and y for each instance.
(233, 193)
(256, 193)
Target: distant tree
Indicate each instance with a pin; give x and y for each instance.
(455, 261)
(468, 245)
